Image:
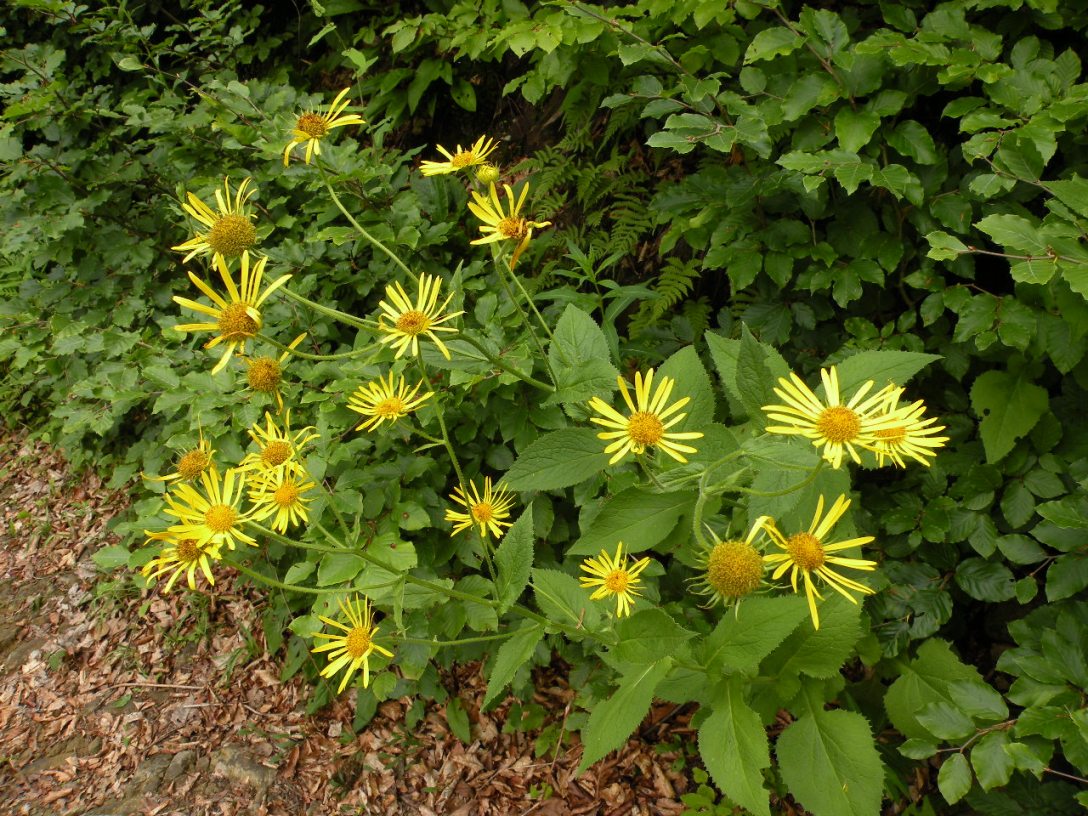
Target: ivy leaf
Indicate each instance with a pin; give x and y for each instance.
(1009, 405)
(511, 656)
(558, 459)
(514, 559)
(615, 719)
(637, 517)
(733, 745)
(954, 778)
(829, 762)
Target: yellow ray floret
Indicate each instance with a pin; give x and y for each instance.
(808, 554)
(279, 447)
(385, 401)
(500, 225)
(230, 230)
(489, 509)
(181, 555)
(237, 316)
(613, 575)
(649, 422)
(353, 648)
(210, 515)
(409, 321)
(912, 435)
(461, 159)
(279, 494)
(311, 127)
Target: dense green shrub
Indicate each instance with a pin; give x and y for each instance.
(894, 177)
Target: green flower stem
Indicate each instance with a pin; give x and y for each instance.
(460, 642)
(437, 402)
(649, 473)
(525, 318)
(709, 468)
(359, 227)
(272, 582)
(770, 494)
(498, 363)
(335, 510)
(307, 356)
(335, 314)
(528, 298)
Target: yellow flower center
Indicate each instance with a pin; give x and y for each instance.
(838, 424)
(617, 581)
(231, 235)
(892, 435)
(313, 125)
(220, 518)
(188, 551)
(286, 494)
(413, 322)
(483, 512)
(193, 463)
(264, 374)
(357, 641)
(235, 322)
(805, 551)
(464, 158)
(515, 228)
(390, 408)
(487, 173)
(276, 453)
(645, 428)
(734, 569)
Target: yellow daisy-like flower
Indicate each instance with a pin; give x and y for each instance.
(383, 401)
(265, 374)
(729, 570)
(353, 648)
(912, 435)
(279, 448)
(237, 317)
(279, 494)
(311, 127)
(646, 426)
(807, 553)
(489, 509)
(614, 576)
(230, 230)
(461, 159)
(190, 465)
(182, 555)
(210, 516)
(410, 321)
(500, 225)
(834, 426)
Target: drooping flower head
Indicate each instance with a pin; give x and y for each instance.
(460, 159)
(190, 464)
(809, 553)
(279, 448)
(230, 230)
(912, 434)
(265, 374)
(279, 494)
(504, 225)
(649, 422)
(489, 509)
(728, 571)
(354, 647)
(210, 515)
(237, 316)
(181, 555)
(383, 401)
(835, 426)
(614, 576)
(410, 321)
(312, 127)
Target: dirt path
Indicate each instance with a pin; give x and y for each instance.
(117, 702)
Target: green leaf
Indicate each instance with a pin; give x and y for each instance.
(514, 559)
(944, 247)
(691, 381)
(830, 764)
(561, 598)
(336, 568)
(954, 778)
(1070, 513)
(924, 680)
(770, 43)
(945, 721)
(647, 636)
(918, 749)
(637, 517)
(854, 129)
(733, 745)
(755, 382)
(979, 700)
(457, 719)
(821, 652)
(110, 558)
(1009, 406)
(910, 138)
(1072, 192)
(613, 720)
(511, 656)
(558, 459)
(985, 580)
(883, 367)
(578, 354)
(993, 766)
(1014, 232)
(739, 642)
(726, 354)
(1067, 576)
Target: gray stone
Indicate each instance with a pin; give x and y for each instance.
(179, 765)
(236, 765)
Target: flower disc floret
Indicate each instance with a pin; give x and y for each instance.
(264, 374)
(209, 514)
(193, 463)
(232, 235)
(386, 401)
(734, 569)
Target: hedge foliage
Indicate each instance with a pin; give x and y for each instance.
(734, 190)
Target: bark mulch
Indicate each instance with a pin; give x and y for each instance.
(114, 701)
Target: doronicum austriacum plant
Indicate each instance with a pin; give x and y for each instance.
(718, 561)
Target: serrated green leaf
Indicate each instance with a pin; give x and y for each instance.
(647, 636)
(613, 720)
(110, 558)
(1066, 576)
(733, 746)
(739, 642)
(561, 598)
(558, 459)
(692, 381)
(578, 354)
(514, 560)
(883, 367)
(511, 656)
(637, 517)
(822, 652)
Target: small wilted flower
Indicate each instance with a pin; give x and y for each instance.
(729, 571)
(265, 374)
(912, 435)
(504, 225)
(181, 555)
(190, 464)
